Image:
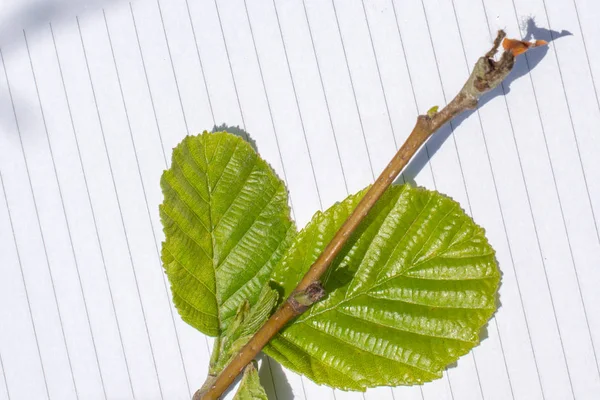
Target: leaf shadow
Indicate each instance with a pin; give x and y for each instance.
(233, 386)
(523, 66)
(272, 379)
(34, 15)
(236, 130)
(272, 375)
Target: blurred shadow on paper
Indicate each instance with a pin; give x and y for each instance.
(32, 15)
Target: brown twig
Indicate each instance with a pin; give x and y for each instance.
(487, 74)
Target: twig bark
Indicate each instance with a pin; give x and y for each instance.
(487, 74)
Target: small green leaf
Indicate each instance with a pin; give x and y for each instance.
(227, 223)
(260, 312)
(250, 388)
(407, 295)
(246, 322)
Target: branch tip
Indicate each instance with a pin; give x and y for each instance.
(488, 73)
(499, 36)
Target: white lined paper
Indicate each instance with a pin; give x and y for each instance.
(328, 90)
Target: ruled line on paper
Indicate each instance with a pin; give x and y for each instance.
(549, 158)
(120, 210)
(341, 38)
(533, 218)
(510, 251)
(387, 107)
(49, 269)
(493, 321)
(275, 135)
(230, 67)
(93, 213)
(562, 81)
(587, 56)
(162, 22)
(556, 188)
(4, 378)
(464, 183)
(35, 333)
(135, 152)
(287, 61)
(64, 211)
(212, 113)
(299, 112)
(335, 139)
(469, 205)
(385, 100)
(482, 128)
(362, 128)
(235, 86)
(337, 149)
(542, 258)
(414, 95)
(587, 190)
(575, 137)
(430, 164)
(162, 146)
(447, 374)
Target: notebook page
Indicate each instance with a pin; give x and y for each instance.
(94, 95)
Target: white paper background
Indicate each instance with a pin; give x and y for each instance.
(94, 94)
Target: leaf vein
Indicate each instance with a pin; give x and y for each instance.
(190, 272)
(367, 352)
(258, 215)
(186, 233)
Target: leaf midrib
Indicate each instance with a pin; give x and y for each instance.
(273, 196)
(366, 293)
(245, 233)
(210, 232)
(210, 189)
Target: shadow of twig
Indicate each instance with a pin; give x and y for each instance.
(523, 66)
(281, 386)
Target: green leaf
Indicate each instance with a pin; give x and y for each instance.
(408, 294)
(227, 223)
(250, 388)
